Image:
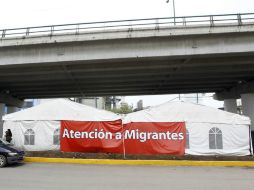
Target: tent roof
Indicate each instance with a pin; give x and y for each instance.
(187, 112)
(62, 109)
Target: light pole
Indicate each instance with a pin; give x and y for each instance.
(173, 11)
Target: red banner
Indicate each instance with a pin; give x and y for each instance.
(155, 138)
(86, 136)
(136, 138)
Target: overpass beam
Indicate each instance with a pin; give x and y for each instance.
(236, 91)
(2, 111)
(12, 109)
(230, 105)
(12, 103)
(228, 94)
(9, 100)
(245, 91)
(248, 107)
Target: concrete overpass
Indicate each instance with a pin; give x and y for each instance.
(132, 57)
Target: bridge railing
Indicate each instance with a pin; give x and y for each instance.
(129, 25)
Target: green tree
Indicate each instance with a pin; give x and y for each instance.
(124, 109)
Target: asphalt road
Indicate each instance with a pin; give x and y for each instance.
(32, 176)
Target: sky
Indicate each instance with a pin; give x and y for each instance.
(24, 13)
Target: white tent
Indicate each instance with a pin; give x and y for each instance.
(209, 131)
(38, 128)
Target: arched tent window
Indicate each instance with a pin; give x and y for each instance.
(187, 145)
(29, 137)
(56, 137)
(215, 138)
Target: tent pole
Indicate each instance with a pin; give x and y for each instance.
(124, 156)
(251, 143)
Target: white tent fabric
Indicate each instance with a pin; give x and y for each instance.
(62, 109)
(44, 121)
(43, 134)
(188, 112)
(199, 121)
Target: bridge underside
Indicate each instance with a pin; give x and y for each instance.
(139, 76)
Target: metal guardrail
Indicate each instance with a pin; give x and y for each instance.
(211, 20)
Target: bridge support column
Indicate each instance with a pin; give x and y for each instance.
(248, 107)
(2, 111)
(12, 109)
(230, 105)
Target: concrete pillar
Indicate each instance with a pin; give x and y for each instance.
(230, 105)
(2, 112)
(248, 107)
(11, 109)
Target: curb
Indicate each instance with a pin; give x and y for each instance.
(140, 162)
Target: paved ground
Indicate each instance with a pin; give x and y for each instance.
(74, 177)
